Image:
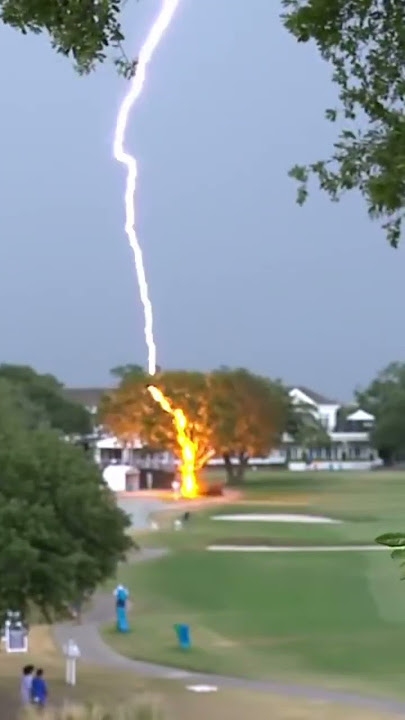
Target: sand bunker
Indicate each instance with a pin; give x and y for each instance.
(295, 549)
(278, 518)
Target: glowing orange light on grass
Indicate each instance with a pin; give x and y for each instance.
(189, 487)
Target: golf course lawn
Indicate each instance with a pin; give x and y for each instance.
(168, 699)
(330, 619)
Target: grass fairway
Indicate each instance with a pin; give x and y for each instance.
(329, 619)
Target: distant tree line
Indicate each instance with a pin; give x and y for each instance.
(385, 399)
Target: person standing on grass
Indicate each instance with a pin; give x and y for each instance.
(39, 689)
(121, 597)
(26, 684)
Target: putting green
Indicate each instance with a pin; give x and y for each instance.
(278, 518)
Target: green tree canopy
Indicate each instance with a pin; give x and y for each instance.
(231, 413)
(130, 412)
(80, 29)
(249, 415)
(46, 393)
(61, 533)
(364, 41)
(19, 409)
(385, 399)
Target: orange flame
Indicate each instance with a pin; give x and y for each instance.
(189, 488)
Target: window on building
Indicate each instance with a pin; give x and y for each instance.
(108, 455)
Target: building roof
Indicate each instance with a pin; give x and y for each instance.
(314, 396)
(89, 397)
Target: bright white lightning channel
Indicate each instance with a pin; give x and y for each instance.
(156, 33)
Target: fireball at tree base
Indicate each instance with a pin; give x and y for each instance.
(186, 445)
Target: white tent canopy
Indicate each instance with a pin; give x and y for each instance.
(360, 416)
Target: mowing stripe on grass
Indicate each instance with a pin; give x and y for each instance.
(294, 549)
(278, 518)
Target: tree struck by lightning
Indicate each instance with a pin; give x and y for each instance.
(156, 33)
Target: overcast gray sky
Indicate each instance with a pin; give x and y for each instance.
(239, 275)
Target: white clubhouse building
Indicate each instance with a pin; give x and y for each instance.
(349, 447)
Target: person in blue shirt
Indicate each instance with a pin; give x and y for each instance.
(39, 689)
(121, 597)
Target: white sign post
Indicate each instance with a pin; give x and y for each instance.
(72, 653)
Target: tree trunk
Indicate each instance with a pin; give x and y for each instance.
(235, 474)
(46, 614)
(241, 468)
(229, 468)
(387, 455)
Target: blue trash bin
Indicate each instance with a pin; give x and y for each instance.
(183, 636)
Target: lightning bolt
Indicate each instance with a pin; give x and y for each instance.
(187, 446)
(152, 41)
